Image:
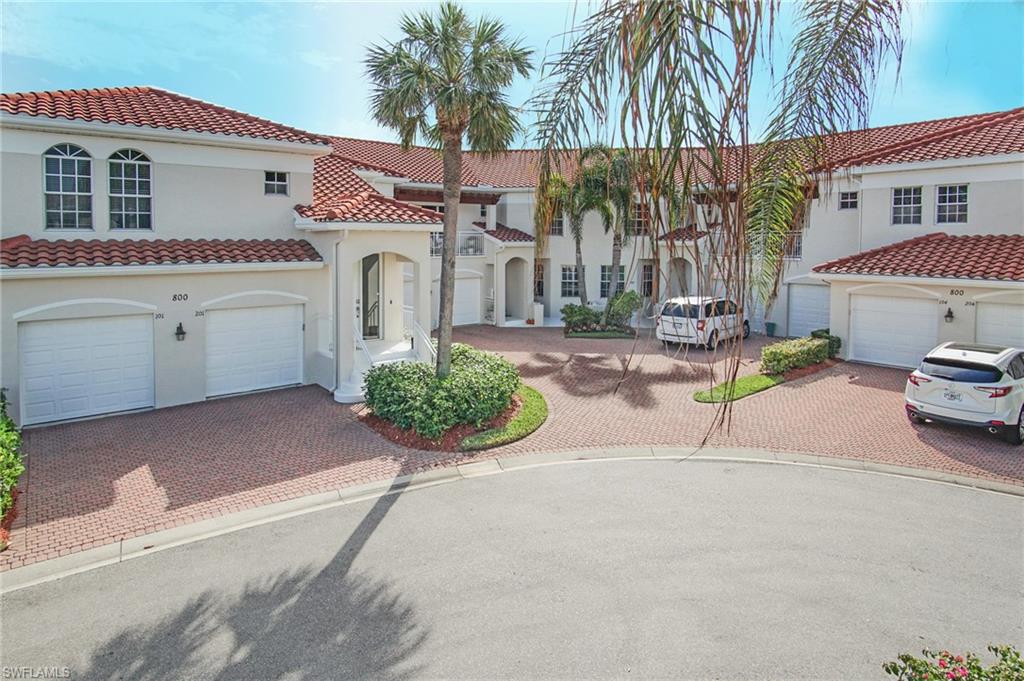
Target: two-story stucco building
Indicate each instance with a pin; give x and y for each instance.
(159, 250)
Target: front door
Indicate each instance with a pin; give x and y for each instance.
(370, 297)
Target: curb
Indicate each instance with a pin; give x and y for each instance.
(147, 544)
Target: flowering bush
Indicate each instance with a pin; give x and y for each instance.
(945, 666)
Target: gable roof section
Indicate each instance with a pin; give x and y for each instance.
(998, 257)
(150, 107)
(419, 164)
(509, 235)
(22, 251)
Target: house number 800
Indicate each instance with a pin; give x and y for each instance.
(179, 296)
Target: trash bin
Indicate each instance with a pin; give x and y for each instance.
(769, 328)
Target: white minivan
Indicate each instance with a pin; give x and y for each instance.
(700, 320)
(970, 385)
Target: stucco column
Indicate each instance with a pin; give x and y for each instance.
(344, 341)
(501, 262)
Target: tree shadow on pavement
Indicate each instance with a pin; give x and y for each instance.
(304, 624)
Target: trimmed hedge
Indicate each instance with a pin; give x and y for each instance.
(834, 342)
(11, 465)
(793, 354)
(408, 394)
(583, 318)
(530, 417)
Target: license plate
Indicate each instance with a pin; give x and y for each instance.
(953, 396)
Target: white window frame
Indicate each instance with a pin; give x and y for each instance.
(463, 240)
(903, 207)
(483, 210)
(606, 279)
(136, 160)
(63, 154)
(793, 249)
(849, 200)
(570, 278)
(436, 244)
(641, 221)
(647, 279)
(557, 225)
(538, 280)
(272, 181)
(960, 207)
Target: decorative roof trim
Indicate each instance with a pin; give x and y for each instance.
(52, 272)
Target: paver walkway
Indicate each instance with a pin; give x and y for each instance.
(94, 482)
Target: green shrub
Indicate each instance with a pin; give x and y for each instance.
(530, 417)
(408, 394)
(11, 465)
(622, 307)
(793, 354)
(1009, 666)
(580, 318)
(834, 342)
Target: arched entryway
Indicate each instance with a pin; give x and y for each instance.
(517, 289)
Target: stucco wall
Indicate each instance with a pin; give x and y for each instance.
(179, 366)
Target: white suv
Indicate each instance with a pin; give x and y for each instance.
(970, 385)
(700, 320)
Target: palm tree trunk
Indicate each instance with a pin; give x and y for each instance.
(613, 286)
(581, 278)
(452, 159)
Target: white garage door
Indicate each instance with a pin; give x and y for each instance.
(465, 307)
(895, 331)
(808, 308)
(1001, 324)
(83, 367)
(253, 348)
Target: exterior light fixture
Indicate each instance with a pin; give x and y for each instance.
(948, 316)
(179, 332)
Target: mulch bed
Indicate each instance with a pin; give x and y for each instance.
(449, 442)
(794, 374)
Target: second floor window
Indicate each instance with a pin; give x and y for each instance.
(436, 244)
(606, 279)
(647, 280)
(131, 191)
(67, 187)
(906, 206)
(641, 218)
(275, 182)
(483, 210)
(847, 200)
(557, 224)
(538, 280)
(794, 249)
(951, 203)
(570, 282)
(471, 243)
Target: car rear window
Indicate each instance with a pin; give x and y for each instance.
(960, 371)
(684, 311)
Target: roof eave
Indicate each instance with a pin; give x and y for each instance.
(913, 279)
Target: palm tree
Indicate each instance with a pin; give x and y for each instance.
(612, 170)
(675, 79)
(445, 81)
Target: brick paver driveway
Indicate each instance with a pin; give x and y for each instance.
(95, 482)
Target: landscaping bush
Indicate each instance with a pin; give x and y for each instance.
(834, 342)
(793, 354)
(585, 319)
(622, 307)
(408, 394)
(945, 665)
(580, 318)
(11, 465)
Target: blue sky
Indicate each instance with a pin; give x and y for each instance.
(300, 63)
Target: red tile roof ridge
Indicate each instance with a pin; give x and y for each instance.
(880, 249)
(367, 165)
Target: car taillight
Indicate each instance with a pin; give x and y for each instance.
(700, 325)
(918, 380)
(994, 392)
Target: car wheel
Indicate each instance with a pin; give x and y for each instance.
(712, 343)
(1015, 434)
(746, 329)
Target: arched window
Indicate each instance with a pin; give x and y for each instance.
(131, 190)
(67, 187)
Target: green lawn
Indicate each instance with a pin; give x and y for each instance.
(600, 334)
(730, 391)
(533, 413)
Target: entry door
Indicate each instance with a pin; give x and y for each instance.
(370, 297)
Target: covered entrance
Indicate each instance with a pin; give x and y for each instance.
(369, 302)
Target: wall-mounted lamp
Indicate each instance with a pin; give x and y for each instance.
(949, 315)
(179, 332)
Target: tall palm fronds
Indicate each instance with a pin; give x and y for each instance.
(445, 81)
(675, 80)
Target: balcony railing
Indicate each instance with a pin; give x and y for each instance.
(469, 244)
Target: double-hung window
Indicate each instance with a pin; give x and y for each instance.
(557, 224)
(848, 200)
(483, 210)
(131, 190)
(951, 203)
(570, 282)
(67, 187)
(647, 280)
(906, 206)
(606, 279)
(275, 182)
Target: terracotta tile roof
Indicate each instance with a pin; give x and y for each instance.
(150, 107)
(339, 195)
(419, 164)
(690, 233)
(506, 234)
(22, 251)
(981, 256)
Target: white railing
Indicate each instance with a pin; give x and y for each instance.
(422, 337)
(361, 343)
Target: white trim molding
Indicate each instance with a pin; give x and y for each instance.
(920, 281)
(243, 294)
(144, 270)
(82, 301)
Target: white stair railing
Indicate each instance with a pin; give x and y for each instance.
(361, 343)
(422, 337)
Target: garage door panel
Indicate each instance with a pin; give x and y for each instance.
(1000, 324)
(893, 331)
(808, 308)
(253, 349)
(85, 367)
(466, 305)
